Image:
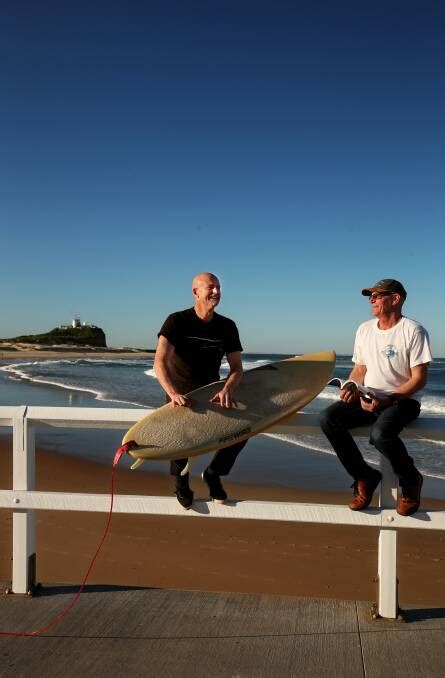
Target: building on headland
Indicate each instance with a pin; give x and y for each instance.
(77, 322)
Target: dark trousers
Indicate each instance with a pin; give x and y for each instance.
(337, 419)
(220, 465)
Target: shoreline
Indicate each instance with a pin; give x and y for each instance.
(214, 554)
(72, 352)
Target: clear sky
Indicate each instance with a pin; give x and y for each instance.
(295, 149)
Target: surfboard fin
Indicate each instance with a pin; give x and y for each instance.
(136, 464)
(186, 468)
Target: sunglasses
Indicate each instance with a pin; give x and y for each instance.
(379, 295)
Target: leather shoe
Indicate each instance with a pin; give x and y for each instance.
(409, 499)
(363, 491)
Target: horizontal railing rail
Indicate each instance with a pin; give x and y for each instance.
(24, 500)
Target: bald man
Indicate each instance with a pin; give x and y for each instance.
(191, 346)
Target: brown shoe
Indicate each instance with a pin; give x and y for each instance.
(409, 499)
(363, 491)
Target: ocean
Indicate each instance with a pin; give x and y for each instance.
(90, 382)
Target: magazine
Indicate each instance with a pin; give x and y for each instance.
(364, 391)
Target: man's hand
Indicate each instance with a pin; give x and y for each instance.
(224, 398)
(369, 404)
(349, 395)
(179, 400)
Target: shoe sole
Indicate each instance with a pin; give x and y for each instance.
(186, 508)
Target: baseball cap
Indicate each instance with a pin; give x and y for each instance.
(386, 285)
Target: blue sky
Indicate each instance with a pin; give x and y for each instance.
(296, 149)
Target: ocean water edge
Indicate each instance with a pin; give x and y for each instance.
(267, 459)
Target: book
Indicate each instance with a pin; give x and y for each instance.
(364, 391)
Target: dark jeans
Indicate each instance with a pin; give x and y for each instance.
(337, 419)
(220, 465)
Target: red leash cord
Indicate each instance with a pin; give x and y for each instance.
(28, 634)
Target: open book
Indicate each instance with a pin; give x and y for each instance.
(365, 392)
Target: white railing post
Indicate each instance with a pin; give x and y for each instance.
(23, 520)
(388, 604)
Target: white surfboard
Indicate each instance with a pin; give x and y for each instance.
(267, 395)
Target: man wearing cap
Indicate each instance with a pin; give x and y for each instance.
(391, 357)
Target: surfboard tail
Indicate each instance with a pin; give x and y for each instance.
(137, 463)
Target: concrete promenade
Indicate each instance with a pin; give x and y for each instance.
(124, 631)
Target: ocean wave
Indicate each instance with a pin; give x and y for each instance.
(431, 404)
(307, 442)
(427, 463)
(17, 374)
(439, 443)
(125, 382)
(93, 362)
(247, 364)
(98, 395)
(44, 372)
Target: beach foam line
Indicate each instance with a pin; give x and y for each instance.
(304, 442)
(115, 362)
(431, 404)
(98, 395)
(310, 446)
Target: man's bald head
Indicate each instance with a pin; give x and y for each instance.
(205, 278)
(207, 292)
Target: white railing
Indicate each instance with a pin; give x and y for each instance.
(23, 499)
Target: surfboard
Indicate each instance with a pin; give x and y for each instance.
(267, 394)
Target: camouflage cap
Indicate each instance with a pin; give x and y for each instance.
(386, 285)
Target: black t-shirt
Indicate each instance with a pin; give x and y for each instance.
(199, 347)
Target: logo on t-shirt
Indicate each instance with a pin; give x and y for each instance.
(390, 351)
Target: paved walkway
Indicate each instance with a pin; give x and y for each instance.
(131, 632)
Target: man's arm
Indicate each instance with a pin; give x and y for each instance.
(417, 381)
(225, 396)
(164, 353)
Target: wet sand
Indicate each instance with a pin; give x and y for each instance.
(215, 554)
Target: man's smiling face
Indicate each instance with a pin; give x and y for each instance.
(207, 291)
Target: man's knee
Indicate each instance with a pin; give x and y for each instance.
(381, 435)
(324, 419)
(328, 417)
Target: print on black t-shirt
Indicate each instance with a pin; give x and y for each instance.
(199, 346)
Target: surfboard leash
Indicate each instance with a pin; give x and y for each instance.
(124, 449)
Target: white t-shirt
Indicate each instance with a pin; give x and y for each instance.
(390, 354)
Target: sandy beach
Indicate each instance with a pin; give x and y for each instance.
(214, 555)
(21, 352)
